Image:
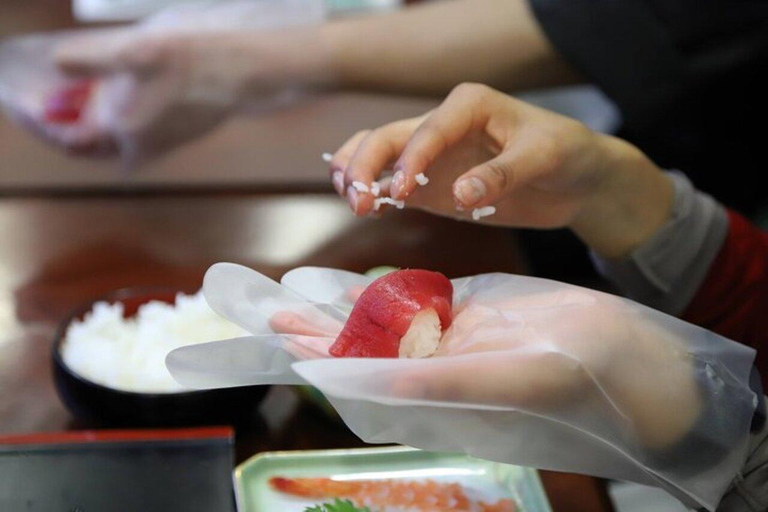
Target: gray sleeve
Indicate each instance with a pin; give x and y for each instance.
(667, 270)
(749, 490)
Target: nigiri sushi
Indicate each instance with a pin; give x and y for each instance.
(401, 314)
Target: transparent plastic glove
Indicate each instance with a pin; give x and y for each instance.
(531, 372)
(155, 85)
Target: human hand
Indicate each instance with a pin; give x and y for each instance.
(155, 92)
(161, 89)
(538, 169)
(531, 372)
(558, 348)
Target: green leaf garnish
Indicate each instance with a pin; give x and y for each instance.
(338, 506)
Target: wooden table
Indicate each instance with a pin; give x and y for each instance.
(58, 252)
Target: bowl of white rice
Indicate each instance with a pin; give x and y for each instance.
(109, 361)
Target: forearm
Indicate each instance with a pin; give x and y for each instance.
(430, 48)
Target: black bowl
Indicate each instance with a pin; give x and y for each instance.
(99, 404)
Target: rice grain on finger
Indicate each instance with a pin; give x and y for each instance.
(388, 200)
(485, 211)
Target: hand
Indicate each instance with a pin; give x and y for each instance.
(537, 168)
(531, 372)
(159, 90)
(557, 349)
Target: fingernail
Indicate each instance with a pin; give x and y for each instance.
(398, 184)
(470, 190)
(338, 182)
(352, 196)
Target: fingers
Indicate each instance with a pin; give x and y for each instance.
(288, 322)
(467, 107)
(104, 53)
(537, 380)
(524, 160)
(489, 182)
(374, 154)
(341, 159)
(308, 347)
(360, 162)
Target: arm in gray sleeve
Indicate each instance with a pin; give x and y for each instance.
(667, 270)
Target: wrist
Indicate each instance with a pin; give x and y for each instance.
(628, 205)
(289, 58)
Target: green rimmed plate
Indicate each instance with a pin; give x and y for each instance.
(481, 479)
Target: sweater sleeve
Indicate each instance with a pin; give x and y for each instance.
(668, 269)
(733, 298)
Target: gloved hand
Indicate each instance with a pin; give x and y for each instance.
(531, 371)
(159, 84)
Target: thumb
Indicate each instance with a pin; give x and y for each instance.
(488, 183)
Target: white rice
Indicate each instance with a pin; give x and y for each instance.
(360, 187)
(130, 354)
(485, 211)
(422, 179)
(327, 157)
(388, 200)
(423, 335)
(375, 188)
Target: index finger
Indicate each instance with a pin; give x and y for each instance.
(467, 107)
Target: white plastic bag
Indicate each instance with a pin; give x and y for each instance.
(531, 372)
(129, 113)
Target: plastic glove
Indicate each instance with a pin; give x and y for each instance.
(159, 84)
(531, 372)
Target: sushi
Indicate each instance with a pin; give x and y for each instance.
(401, 314)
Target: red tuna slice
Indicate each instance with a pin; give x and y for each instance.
(66, 105)
(384, 313)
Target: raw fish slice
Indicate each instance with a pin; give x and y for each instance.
(424, 496)
(401, 314)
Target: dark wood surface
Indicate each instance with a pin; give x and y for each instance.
(57, 253)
